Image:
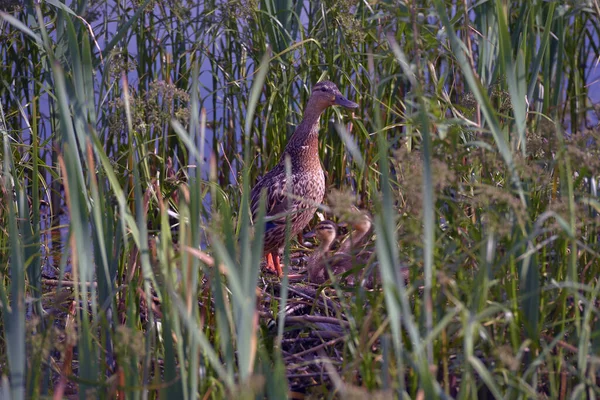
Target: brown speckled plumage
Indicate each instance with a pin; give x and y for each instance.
(307, 185)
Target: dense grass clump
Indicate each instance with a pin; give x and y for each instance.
(132, 134)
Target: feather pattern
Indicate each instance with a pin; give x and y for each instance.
(298, 194)
(299, 201)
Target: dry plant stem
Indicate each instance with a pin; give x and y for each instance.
(229, 164)
(132, 264)
(571, 348)
(316, 348)
(56, 283)
(310, 294)
(120, 383)
(74, 260)
(205, 258)
(66, 369)
(445, 370)
(324, 335)
(305, 375)
(210, 262)
(134, 255)
(333, 375)
(316, 318)
(208, 394)
(296, 277)
(563, 384)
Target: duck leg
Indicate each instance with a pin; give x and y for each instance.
(270, 267)
(273, 264)
(277, 265)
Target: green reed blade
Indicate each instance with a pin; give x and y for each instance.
(483, 100)
(13, 308)
(515, 76)
(22, 27)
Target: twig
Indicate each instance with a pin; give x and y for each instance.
(317, 348)
(318, 318)
(56, 283)
(310, 294)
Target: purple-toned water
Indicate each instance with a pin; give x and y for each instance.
(593, 85)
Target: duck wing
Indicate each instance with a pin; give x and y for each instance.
(306, 187)
(274, 183)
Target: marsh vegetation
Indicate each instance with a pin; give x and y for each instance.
(132, 133)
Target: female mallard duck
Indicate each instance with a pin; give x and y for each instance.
(307, 181)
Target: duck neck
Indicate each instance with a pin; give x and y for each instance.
(356, 236)
(324, 247)
(316, 263)
(353, 239)
(307, 133)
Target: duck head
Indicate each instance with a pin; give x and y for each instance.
(325, 232)
(325, 94)
(362, 224)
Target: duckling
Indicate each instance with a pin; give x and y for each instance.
(343, 260)
(338, 263)
(361, 225)
(307, 181)
(326, 232)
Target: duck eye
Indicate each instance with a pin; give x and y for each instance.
(322, 89)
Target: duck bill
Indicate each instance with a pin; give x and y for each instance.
(344, 102)
(310, 234)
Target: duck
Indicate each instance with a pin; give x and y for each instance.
(344, 259)
(316, 265)
(361, 224)
(306, 184)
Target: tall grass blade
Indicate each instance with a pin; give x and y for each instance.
(251, 250)
(428, 196)
(13, 296)
(515, 76)
(83, 265)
